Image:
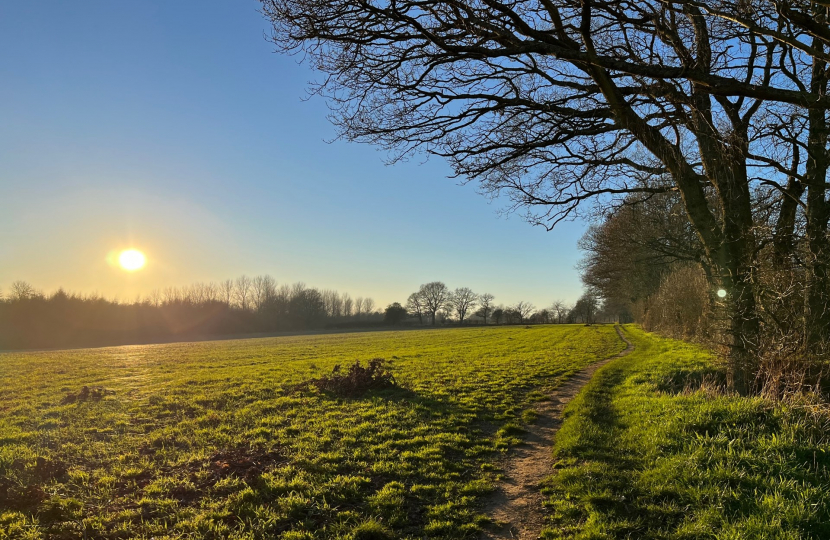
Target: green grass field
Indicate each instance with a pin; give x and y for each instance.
(651, 450)
(215, 440)
(218, 440)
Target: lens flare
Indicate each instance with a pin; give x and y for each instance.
(132, 260)
(721, 293)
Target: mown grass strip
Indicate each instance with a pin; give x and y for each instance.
(650, 451)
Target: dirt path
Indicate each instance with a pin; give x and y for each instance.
(517, 504)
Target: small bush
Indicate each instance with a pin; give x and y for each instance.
(680, 308)
(358, 379)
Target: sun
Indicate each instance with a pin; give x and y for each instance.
(132, 260)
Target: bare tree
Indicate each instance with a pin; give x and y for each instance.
(348, 305)
(336, 305)
(195, 294)
(242, 292)
(332, 302)
(205, 293)
(258, 294)
(172, 295)
(512, 315)
(434, 296)
(562, 105)
(559, 309)
(21, 290)
(226, 292)
(486, 306)
(298, 288)
(416, 305)
(461, 301)
(368, 306)
(154, 298)
(358, 307)
(524, 310)
(263, 289)
(281, 303)
(270, 292)
(211, 292)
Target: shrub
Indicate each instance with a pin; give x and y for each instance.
(358, 379)
(680, 308)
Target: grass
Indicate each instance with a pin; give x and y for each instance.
(219, 439)
(650, 450)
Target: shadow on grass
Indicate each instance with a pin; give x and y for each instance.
(685, 381)
(648, 451)
(594, 473)
(594, 410)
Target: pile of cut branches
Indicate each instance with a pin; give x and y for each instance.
(357, 379)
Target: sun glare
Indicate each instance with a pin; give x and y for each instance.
(132, 260)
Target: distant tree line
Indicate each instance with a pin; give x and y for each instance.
(32, 319)
(435, 303)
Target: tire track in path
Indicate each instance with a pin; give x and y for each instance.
(517, 502)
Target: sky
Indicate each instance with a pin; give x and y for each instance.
(174, 128)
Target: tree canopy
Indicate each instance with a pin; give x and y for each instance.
(565, 106)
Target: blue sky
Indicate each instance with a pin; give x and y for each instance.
(174, 128)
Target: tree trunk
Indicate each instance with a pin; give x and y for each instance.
(817, 297)
(735, 268)
(817, 300)
(817, 213)
(782, 240)
(742, 331)
(736, 262)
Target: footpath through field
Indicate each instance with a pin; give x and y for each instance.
(516, 506)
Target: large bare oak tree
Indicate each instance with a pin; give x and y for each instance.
(563, 105)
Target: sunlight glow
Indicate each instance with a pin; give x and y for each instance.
(132, 260)
(721, 293)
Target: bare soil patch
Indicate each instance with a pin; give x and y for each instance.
(516, 506)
